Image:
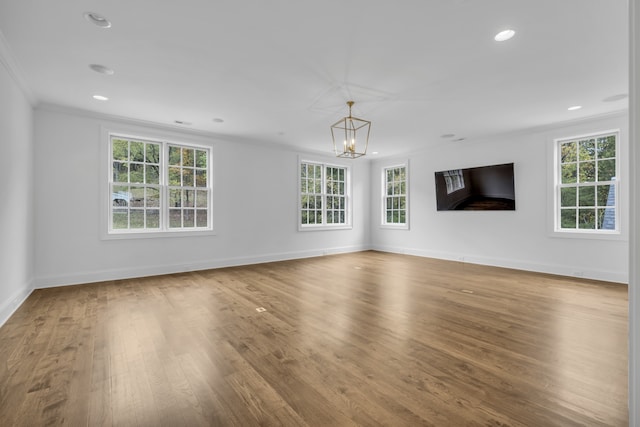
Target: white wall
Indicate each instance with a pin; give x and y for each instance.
(16, 192)
(634, 252)
(517, 239)
(255, 207)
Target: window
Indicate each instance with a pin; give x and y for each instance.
(586, 184)
(158, 186)
(188, 189)
(324, 196)
(395, 196)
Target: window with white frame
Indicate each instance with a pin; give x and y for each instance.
(395, 196)
(586, 184)
(158, 186)
(324, 196)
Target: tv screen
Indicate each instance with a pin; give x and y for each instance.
(484, 188)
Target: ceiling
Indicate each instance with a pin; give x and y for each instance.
(281, 71)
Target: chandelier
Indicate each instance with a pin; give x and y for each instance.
(345, 133)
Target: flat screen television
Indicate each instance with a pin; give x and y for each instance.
(484, 188)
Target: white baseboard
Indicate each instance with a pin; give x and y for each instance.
(13, 303)
(561, 270)
(156, 270)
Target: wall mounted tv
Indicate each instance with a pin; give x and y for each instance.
(484, 188)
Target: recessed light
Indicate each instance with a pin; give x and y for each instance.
(217, 120)
(504, 35)
(447, 135)
(97, 20)
(618, 97)
(182, 122)
(101, 69)
(574, 108)
(100, 98)
(459, 139)
(375, 152)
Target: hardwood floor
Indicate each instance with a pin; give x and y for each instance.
(357, 339)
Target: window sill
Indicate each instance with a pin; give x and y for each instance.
(324, 227)
(593, 235)
(157, 234)
(395, 226)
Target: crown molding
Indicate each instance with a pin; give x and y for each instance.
(9, 62)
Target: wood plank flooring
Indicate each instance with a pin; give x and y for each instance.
(365, 339)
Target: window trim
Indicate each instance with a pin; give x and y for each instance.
(165, 139)
(383, 197)
(348, 196)
(554, 192)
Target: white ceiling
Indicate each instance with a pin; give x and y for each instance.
(281, 71)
